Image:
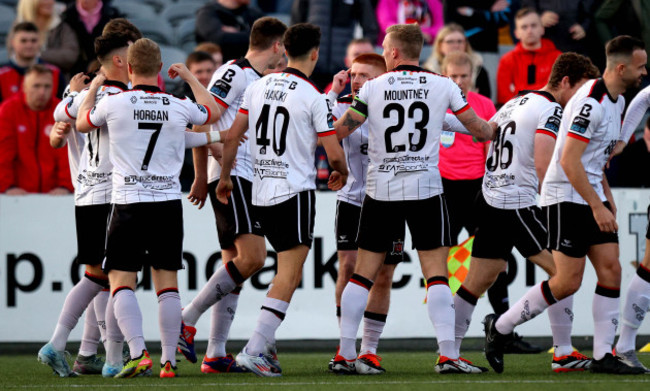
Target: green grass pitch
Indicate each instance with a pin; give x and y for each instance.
(308, 371)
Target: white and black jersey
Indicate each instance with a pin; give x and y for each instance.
(405, 109)
(594, 117)
(287, 114)
(147, 141)
(227, 86)
(355, 147)
(92, 178)
(510, 180)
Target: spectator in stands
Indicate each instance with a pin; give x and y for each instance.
(213, 49)
(28, 164)
(355, 48)
(227, 23)
(634, 160)
(528, 65)
(87, 19)
(623, 17)
(337, 20)
(427, 13)
(24, 44)
(481, 20)
(58, 42)
(202, 66)
(565, 22)
(451, 38)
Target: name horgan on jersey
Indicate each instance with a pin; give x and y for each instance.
(150, 115)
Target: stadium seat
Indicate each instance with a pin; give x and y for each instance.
(158, 5)
(171, 55)
(158, 30)
(425, 53)
(10, 3)
(4, 55)
(176, 12)
(185, 37)
(284, 18)
(133, 10)
(7, 17)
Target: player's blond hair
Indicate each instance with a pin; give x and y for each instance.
(408, 38)
(144, 57)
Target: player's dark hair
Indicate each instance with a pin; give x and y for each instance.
(196, 57)
(124, 27)
(573, 65)
(301, 38)
(622, 47)
(409, 39)
(108, 43)
(24, 26)
(265, 31)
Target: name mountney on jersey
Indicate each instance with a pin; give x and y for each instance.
(150, 115)
(419, 93)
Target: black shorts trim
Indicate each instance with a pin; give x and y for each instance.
(382, 221)
(289, 223)
(572, 229)
(347, 229)
(237, 217)
(91, 222)
(145, 234)
(499, 230)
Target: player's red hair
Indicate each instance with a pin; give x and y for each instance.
(373, 59)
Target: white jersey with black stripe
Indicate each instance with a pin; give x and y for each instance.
(591, 116)
(510, 180)
(405, 109)
(355, 147)
(92, 176)
(147, 141)
(288, 113)
(227, 86)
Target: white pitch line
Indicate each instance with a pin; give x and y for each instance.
(301, 384)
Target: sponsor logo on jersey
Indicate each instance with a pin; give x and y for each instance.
(391, 80)
(580, 125)
(202, 108)
(134, 100)
(553, 124)
(220, 88)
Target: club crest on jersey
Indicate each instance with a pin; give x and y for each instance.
(398, 248)
(391, 80)
(580, 125)
(134, 100)
(220, 88)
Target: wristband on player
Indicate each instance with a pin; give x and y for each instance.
(213, 136)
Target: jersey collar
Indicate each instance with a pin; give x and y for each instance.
(545, 94)
(115, 83)
(408, 68)
(244, 63)
(147, 88)
(301, 75)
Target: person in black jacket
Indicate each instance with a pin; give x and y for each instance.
(228, 24)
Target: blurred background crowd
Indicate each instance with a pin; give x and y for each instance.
(510, 45)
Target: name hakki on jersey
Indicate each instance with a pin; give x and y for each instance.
(510, 180)
(594, 117)
(93, 174)
(227, 86)
(288, 113)
(147, 141)
(405, 110)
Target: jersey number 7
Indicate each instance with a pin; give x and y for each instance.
(152, 142)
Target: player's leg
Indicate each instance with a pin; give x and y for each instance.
(169, 317)
(634, 310)
(114, 342)
(347, 261)
(346, 229)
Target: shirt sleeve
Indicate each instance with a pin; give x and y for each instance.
(549, 120)
(97, 115)
(227, 84)
(337, 111)
(68, 108)
(197, 114)
(322, 120)
(245, 104)
(457, 100)
(635, 113)
(585, 120)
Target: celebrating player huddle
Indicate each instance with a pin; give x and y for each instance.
(127, 147)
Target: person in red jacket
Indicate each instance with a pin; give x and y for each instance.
(528, 65)
(25, 53)
(28, 164)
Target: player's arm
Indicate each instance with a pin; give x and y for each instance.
(543, 151)
(59, 134)
(347, 124)
(608, 194)
(452, 124)
(201, 95)
(199, 189)
(82, 124)
(235, 134)
(336, 159)
(479, 128)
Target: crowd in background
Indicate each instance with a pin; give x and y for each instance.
(510, 46)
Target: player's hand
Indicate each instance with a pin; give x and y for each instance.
(494, 127)
(61, 129)
(230, 29)
(198, 192)
(224, 188)
(336, 181)
(550, 18)
(98, 80)
(57, 191)
(179, 70)
(499, 5)
(340, 80)
(79, 82)
(577, 32)
(15, 191)
(605, 219)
